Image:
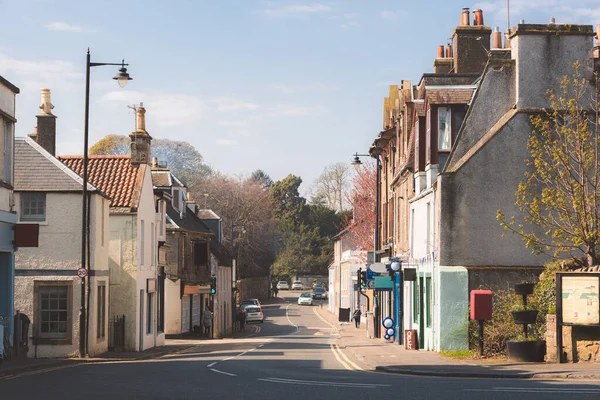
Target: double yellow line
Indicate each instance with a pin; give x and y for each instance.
(335, 349)
(342, 359)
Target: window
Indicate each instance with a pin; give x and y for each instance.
(161, 207)
(160, 301)
(428, 229)
(143, 243)
(428, 137)
(428, 301)
(417, 156)
(102, 232)
(200, 254)
(33, 206)
(444, 129)
(8, 151)
(153, 245)
(415, 302)
(53, 312)
(176, 199)
(101, 313)
(149, 314)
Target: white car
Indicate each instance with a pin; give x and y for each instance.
(297, 285)
(254, 314)
(305, 299)
(283, 285)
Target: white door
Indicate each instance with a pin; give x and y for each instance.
(195, 310)
(185, 313)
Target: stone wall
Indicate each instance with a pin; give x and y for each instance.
(580, 343)
(256, 287)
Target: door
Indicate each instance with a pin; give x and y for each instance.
(428, 316)
(185, 313)
(421, 315)
(195, 310)
(142, 314)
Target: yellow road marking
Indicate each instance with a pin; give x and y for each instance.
(323, 319)
(356, 367)
(337, 357)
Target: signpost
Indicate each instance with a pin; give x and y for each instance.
(370, 284)
(82, 272)
(577, 303)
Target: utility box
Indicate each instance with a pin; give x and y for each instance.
(481, 305)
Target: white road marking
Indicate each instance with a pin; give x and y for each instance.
(287, 315)
(222, 372)
(323, 383)
(211, 364)
(535, 390)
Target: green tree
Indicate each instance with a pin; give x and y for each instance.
(561, 190)
(262, 178)
(290, 207)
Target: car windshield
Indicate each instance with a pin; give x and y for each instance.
(319, 290)
(283, 283)
(246, 302)
(305, 295)
(253, 309)
(298, 283)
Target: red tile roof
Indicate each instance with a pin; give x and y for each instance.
(114, 175)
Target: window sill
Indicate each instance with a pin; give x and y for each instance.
(44, 223)
(53, 341)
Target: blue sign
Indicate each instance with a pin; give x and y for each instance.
(370, 274)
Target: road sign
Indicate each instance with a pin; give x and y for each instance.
(82, 272)
(370, 284)
(370, 274)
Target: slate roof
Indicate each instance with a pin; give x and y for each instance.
(38, 170)
(454, 95)
(163, 178)
(114, 175)
(189, 222)
(207, 214)
(420, 108)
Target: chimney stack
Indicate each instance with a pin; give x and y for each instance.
(140, 139)
(465, 18)
(471, 44)
(45, 135)
(496, 39)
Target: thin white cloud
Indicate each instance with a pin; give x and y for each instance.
(287, 88)
(347, 20)
(294, 10)
(224, 104)
(162, 108)
(34, 75)
(227, 142)
(64, 27)
(292, 110)
(388, 15)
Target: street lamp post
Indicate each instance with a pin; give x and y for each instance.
(234, 270)
(376, 241)
(122, 77)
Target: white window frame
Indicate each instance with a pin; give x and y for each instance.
(444, 128)
(25, 214)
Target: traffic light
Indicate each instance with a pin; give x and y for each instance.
(363, 278)
(213, 285)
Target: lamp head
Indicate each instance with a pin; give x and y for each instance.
(122, 77)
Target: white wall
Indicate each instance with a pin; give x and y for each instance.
(172, 307)
(60, 249)
(223, 308)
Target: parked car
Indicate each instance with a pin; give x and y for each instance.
(319, 293)
(249, 302)
(305, 299)
(297, 285)
(283, 285)
(254, 314)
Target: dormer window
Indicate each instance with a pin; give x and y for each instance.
(176, 200)
(444, 129)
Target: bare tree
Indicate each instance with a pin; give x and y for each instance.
(331, 186)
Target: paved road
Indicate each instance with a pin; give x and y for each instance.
(292, 357)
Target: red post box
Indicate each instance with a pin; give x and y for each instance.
(481, 305)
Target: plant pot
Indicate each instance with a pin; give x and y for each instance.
(525, 316)
(526, 351)
(524, 288)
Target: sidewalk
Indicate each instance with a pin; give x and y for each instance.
(16, 367)
(380, 355)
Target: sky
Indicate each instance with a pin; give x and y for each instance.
(285, 86)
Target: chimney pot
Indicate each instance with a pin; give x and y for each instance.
(478, 17)
(521, 21)
(154, 162)
(552, 20)
(496, 39)
(465, 18)
(46, 106)
(440, 51)
(507, 39)
(449, 51)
